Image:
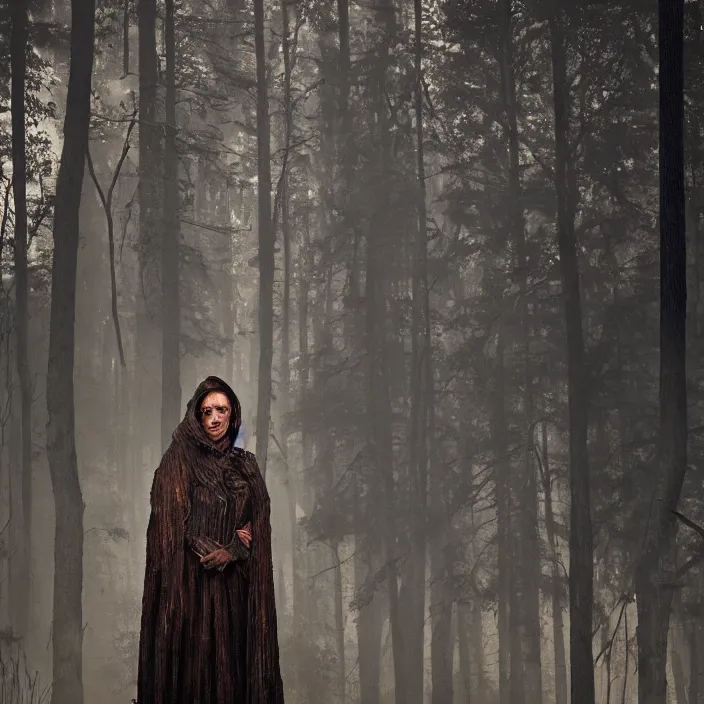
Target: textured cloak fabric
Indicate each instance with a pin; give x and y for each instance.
(208, 636)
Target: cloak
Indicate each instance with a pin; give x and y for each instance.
(208, 636)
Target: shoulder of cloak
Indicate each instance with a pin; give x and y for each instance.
(170, 477)
(246, 455)
(250, 466)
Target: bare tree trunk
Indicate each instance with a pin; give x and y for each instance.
(476, 651)
(421, 412)
(302, 556)
(266, 244)
(678, 671)
(464, 628)
(379, 408)
(517, 672)
(677, 644)
(286, 220)
(580, 545)
(224, 210)
(475, 684)
(18, 58)
(67, 631)
(146, 365)
(125, 37)
(657, 569)
(613, 264)
(556, 583)
(170, 243)
(285, 401)
(339, 624)
(303, 345)
(12, 435)
(441, 644)
(695, 664)
(501, 471)
(529, 552)
(366, 556)
(370, 617)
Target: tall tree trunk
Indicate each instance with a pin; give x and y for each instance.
(302, 557)
(695, 664)
(580, 543)
(18, 58)
(285, 400)
(657, 568)
(146, 367)
(517, 672)
(556, 582)
(476, 650)
(441, 602)
(370, 616)
(67, 631)
(286, 221)
(339, 623)
(418, 485)
(475, 684)
(266, 244)
(125, 37)
(304, 355)
(678, 675)
(366, 555)
(379, 407)
(379, 419)
(529, 552)
(464, 628)
(677, 645)
(170, 243)
(503, 508)
(224, 208)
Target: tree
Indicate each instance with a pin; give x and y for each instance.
(529, 550)
(67, 633)
(266, 243)
(581, 576)
(422, 408)
(170, 242)
(145, 371)
(657, 569)
(18, 58)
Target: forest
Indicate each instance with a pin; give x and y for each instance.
(447, 254)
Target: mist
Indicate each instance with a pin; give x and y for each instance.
(449, 257)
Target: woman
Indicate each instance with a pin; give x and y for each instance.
(209, 632)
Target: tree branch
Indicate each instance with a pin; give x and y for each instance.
(106, 201)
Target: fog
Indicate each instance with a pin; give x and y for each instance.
(434, 250)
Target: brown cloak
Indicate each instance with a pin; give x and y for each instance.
(208, 636)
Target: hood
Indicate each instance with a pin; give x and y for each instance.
(190, 427)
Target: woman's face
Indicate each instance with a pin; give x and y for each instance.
(215, 415)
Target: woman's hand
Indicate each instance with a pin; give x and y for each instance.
(245, 534)
(221, 557)
(218, 558)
